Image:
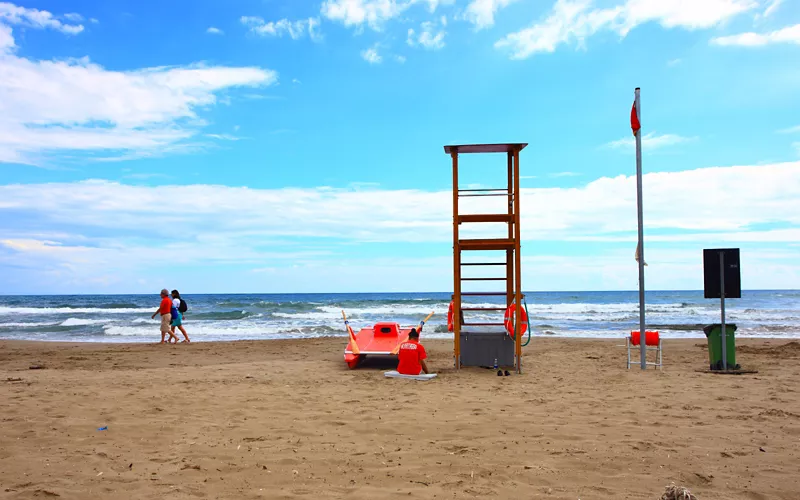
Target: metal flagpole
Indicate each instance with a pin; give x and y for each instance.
(642, 331)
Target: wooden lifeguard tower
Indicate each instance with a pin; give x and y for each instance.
(478, 343)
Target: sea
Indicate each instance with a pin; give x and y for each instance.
(126, 318)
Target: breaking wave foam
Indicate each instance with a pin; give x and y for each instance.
(72, 310)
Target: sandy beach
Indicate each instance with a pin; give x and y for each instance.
(286, 419)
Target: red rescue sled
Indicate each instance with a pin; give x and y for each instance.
(382, 339)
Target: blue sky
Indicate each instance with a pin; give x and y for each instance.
(274, 146)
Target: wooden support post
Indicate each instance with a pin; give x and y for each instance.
(510, 253)
(517, 264)
(456, 270)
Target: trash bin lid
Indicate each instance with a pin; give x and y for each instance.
(707, 329)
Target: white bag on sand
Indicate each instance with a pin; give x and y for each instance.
(396, 374)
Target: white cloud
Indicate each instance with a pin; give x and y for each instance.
(358, 12)
(650, 141)
(223, 137)
(400, 59)
(214, 31)
(73, 17)
(373, 13)
(761, 236)
(371, 55)
(606, 206)
(234, 225)
(481, 12)
(252, 21)
(6, 39)
(147, 176)
(577, 20)
(790, 130)
(430, 37)
(434, 4)
(772, 7)
(75, 105)
(295, 81)
(41, 19)
(294, 29)
(790, 34)
(673, 62)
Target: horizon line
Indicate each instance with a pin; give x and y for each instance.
(384, 293)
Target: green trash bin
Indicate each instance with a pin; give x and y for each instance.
(715, 346)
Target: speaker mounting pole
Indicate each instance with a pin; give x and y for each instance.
(723, 331)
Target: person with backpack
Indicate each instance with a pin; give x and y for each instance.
(179, 307)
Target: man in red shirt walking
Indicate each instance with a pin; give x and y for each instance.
(412, 356)
(164, 310)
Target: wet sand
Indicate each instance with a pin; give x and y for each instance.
(286, 419)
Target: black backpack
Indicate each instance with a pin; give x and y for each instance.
(183, 307)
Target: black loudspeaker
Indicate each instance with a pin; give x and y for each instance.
(711, 277)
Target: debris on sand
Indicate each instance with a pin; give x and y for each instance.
(673, 492)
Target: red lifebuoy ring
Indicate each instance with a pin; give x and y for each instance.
(450, 325)
(509, 318)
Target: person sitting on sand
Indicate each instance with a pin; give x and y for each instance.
(177, 316)
(412, 356)
(164, 310)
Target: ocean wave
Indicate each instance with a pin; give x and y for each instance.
(394, 308)
(621, 307)
(25, 325)
(386, 312)
(678, 327)
(83, 322)
(241, 331)
(292, 306)
(221, 315)
(72, 310)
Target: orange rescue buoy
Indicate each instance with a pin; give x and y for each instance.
(509, 317)
(450, 324)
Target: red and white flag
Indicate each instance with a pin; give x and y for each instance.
(635, 126)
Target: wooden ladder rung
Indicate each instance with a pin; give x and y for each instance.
(483, 324)
(487, 244)
(508, 218)
(483, 308)
(484, 264)
(484, 279)
(484, 294)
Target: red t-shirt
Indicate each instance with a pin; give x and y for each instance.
(410, 355)
(165, 307)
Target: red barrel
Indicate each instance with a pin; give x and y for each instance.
(650, 338)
